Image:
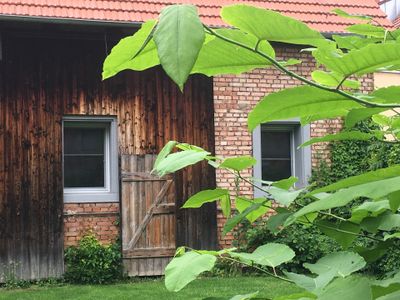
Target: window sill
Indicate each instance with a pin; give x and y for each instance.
(90, 197)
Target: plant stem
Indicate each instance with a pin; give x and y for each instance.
(280, 67)
(257, 268)
(352, 233)
(341, 83)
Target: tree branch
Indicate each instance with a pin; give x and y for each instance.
(280, 67)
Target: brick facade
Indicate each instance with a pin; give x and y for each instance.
(100, 218)
(234, 97)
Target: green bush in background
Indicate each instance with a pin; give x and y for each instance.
(308, 243)
(348, 158)
(93, 263)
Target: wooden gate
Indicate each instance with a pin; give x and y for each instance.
(148, 217)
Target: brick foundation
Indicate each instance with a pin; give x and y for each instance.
(99, 218)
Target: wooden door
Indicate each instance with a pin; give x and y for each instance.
(148, 217)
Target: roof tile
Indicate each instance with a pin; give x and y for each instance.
(318, 14)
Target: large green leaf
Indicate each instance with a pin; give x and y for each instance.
(243, 203)
(353, 41)
(373, 190)
(218, 57)
(271, 255)
(333, 80)
(367, 29)
(180, 160)
(371, 254)
(394, 201)
(276, 221)
(330, 114)
(391, 296)
(282, 196)
(395, 235)
(349, 288)
(234, 221)
(341, 136)
(238, 163)
(245, 297)
(360, 179)
(387, 95)
(386, 221)
(369, 208)
(381, 120)
(344, 14)
(341, 263)
(312, 284)
(386, 286)
(165, 151)
(285, 184)
(271, 26)
(365, 60)
(184, 269)
(297, 296)
(251, 41)
(343, 232)
(179, 37)
(137, 52)
(288, 103)
(359, 114)
(206, 196)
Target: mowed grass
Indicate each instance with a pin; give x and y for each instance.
(154, 289)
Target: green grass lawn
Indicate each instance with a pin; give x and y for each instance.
(154, 289)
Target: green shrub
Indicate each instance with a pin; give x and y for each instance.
(12, 283)
(348, 158)
(389, 262)
(91, 262)
(307, 242)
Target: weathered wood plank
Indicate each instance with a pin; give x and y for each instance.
(59, 77)
(149, 253)
(149, 214)
(146, 243)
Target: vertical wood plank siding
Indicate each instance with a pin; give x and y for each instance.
(43, 79)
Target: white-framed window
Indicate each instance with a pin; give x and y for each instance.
(275, 146)
(90, 159)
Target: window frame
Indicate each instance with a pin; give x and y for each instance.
(282, 128)
(300, 157)
(110, 191)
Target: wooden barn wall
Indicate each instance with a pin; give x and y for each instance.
(43, 79)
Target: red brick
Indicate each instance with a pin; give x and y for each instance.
(237, 95)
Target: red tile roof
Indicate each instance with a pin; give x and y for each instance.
(317, 13)
(396, 22)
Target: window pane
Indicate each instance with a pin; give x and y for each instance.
(83, 140)
(273, 170)
(275, 144)
(84, 171)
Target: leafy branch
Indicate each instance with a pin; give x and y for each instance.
(285, 70)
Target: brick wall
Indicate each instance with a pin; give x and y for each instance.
(235, 96)
(99, 218)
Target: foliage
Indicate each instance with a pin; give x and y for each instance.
(93, 263)
(364, 205)
(307, 242)
(15, 283)
(12, 283)
(353, 157)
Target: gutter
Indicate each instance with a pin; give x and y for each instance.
(134, 24)
(70, 21)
